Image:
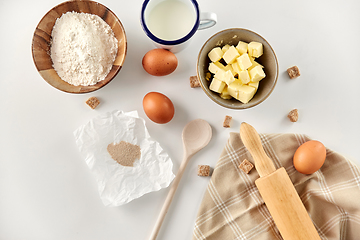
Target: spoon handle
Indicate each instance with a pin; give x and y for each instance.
(169, 198)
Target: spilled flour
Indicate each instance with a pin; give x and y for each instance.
(124, 153)
(83, 48)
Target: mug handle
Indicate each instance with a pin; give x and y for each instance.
(207, 20)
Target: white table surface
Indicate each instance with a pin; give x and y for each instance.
(47, 190)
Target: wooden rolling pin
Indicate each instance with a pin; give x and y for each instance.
(278, 192)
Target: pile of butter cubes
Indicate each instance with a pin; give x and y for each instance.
(240, 74)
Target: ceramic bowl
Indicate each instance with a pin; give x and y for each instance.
(232, 37)
(42, 40)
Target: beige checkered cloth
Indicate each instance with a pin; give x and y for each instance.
(232, 207)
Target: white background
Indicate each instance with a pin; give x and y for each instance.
(47, 190)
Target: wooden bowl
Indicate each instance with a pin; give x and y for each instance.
(232, 36)
(42, 39)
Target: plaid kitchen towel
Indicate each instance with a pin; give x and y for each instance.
(232, 207)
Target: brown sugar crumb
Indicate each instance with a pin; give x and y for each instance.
(293, 115)
(93, 102)
(246, 166)
(227, 121)
(203, 170)
(194, 82)
(124, 153)
(293, 72)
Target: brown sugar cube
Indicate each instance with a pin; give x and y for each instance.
(293, 72)
(92, 102)
(293, 115)
(203, 170)
(227, 121)
(246, 166)
(194, 82)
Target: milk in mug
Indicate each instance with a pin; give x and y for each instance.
(170, 24)
(171, 20)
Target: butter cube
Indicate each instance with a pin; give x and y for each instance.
(229, 67)
(225, 48)
(235, 66)
(244, 61)
(216, 66)
(242, 47)
(230, 55)
(225, 94)
(244, 77)
(220, 75)
(246, 93)
(208, 76)
(229, 77)
(255, 49)
(254, 63)
(217, 85)
(256, 74)
(234, 88)
(215, 54)
(254, 85)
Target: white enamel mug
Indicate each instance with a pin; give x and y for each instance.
(171, 23)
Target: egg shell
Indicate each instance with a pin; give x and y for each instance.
(159, 62)
(309, 157)
(158, 107)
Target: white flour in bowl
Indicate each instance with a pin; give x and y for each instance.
(83, 48)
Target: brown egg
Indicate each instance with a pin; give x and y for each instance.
(158, 107)
(159, 62)
(309, 157)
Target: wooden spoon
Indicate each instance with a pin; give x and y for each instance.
(196, 135)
